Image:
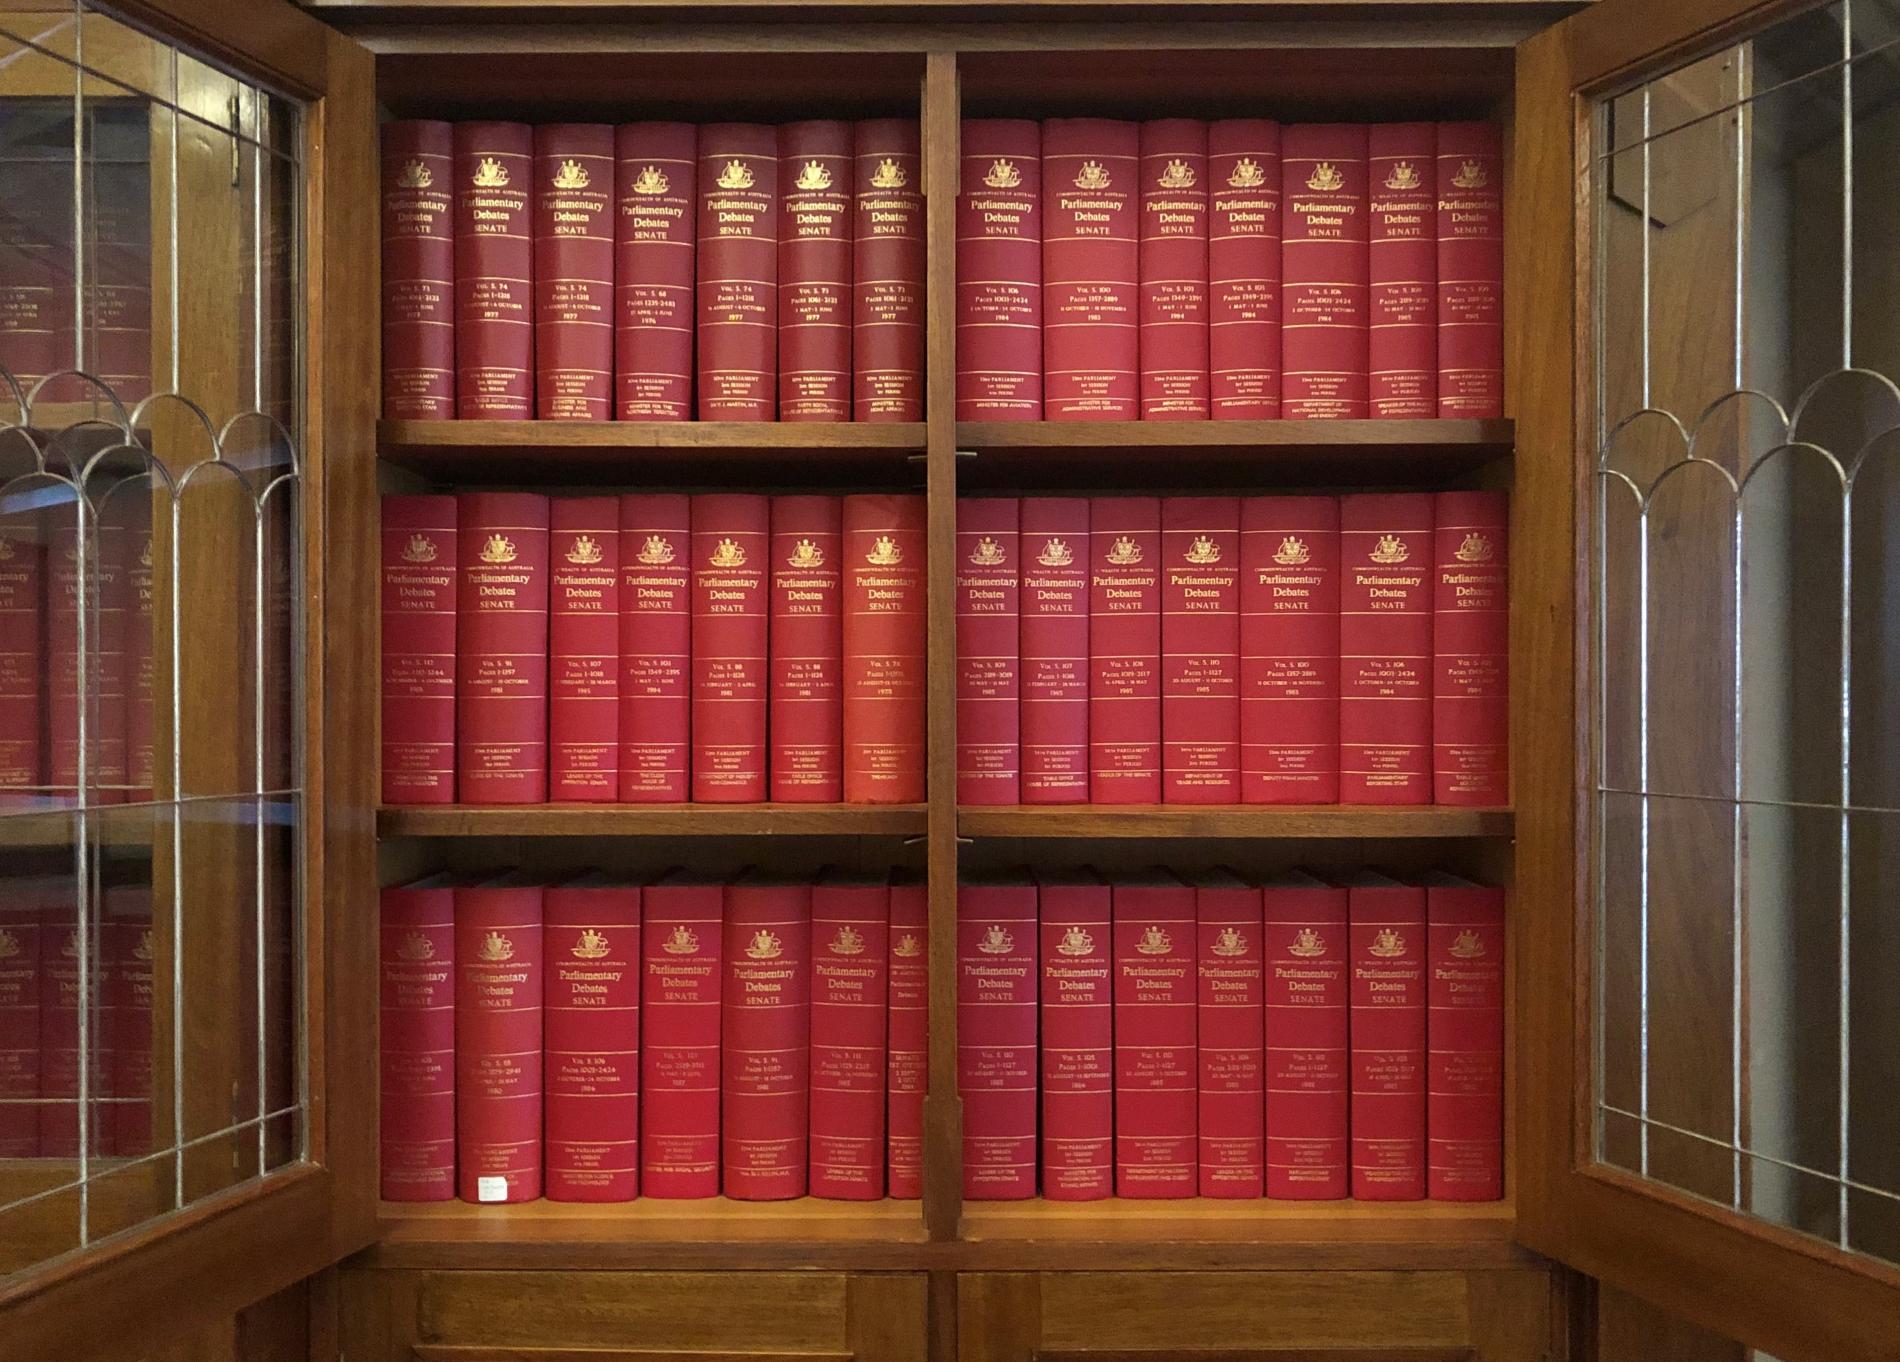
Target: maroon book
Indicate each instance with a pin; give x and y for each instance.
(1307, 994)
(141, 670)
(996, 1037)
(655, 646)
(814, 271)
(418, 271)
(23, 668)
(1470, 270)
(1231, 995)
(1402, 272)
(1464, 1033)
(1471, 645)
(100, 588)
(887, 291)
(1078, 1039)
(1173, 270)
(680, 977)
(573, 271)
(1243, 267)
(127, 953)
(1388, 1038)
(654, 248)
(731, 542)
(908, 1070)
(1385, 648)
(850, 981)
(1200, 650)
(494, 272)
(62, 951)
(884, 610)
(737, 297)
(499, 992)
(584, 649)
(591, 1039)
(765, 1032)
(1125, 650)
(806, 722)
(1090, 269)
(501, 648)
(21, 931)
(999, 271)
(1289, 650)
(989, 659)
(1055, 650)
(1155, 1037)
(418, 1040)
(1324, 264)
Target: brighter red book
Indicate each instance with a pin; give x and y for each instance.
(1125, 650)
(1200, 650)
(1173, 270)
(737, 294)
(731, 625)
(806, 636)
(989, 657)
(494, 272)
(1078, 1039)
(501, 648)
(1156, 1037)
(1055, 650)
(1471, 646)
(498, 1014)
(418, 271)
(1385, 648)
(1090, 269)
(814, 269)
(1289, 650)
(1230, 994)
(1464, 1033)
(999, 271)
(1243, 267)
(887, 290)
(680, 977)
(584, 649)
(1470, 271)
(996, 1037)
(1402, 272)
(656, 624)
(765, 1039)
(1388, 1038)
(591, 1039)
(573, 271)
(22, 930)
(908, 1070)
(1323, 255)
(1307, 1009)
(654, 248)
(884, 609)
(23, 667)
(850, 981)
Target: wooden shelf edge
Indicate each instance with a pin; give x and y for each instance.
(1301, 435)
(1252, 820)
(710, 436)
(651, 820)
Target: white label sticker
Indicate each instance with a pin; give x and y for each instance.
(491, 1189)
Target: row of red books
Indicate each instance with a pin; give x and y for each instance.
(1177, 270)
(653, 647)
(692, 1037)
(1223, 650)
(653, 271)
(1296, 1038)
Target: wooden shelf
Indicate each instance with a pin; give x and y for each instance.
(127, 826)
(651, 820)
(1230, 820)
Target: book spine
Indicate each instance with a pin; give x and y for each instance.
(908, 1069)
(36, 254)
(850, 936)
(126, 949)
(1323, 256)
(498, 1015)
(1471, 644)
(1464, 1036)
(418, 1044)
(141, 669)
(884, 649)
(1307, 1011)
(656, 624)
(117, 308)
(737, 295)
(574, 271)
(1231, 995)
(501, 648)
(494, 272)
(1125, 650)
(999, 271)
(654, 247)
(1243, 267)
(418, 271)
(1388, 1042)
(1090, 269)
(1289, 650)
(888, 284)
(584, 649)
(23, 667)
(1055, 650)
(1402, 272)
(989, 659)
(1470, 271)
(591, 1043)
(1155, 1042)
(20, 1048)
(765, 1084)
(1200, 650)
(62, 1000)
(680, 977)
(1173, 306)
(1078, 1044)
(996, 1039)
(807, 650)
(96, 588)
(1385, 648)
(731, 541)
(814, 270)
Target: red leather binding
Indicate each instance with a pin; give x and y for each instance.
(737, 296)
(1125, 650)
(125, 931)
(1243, 266)
(20, 926)
(1055, 650)
(731, 543)
(1464, 1033)
(807, 649)
(1173, 265)
(1388, 1039)
(1231, 994)
(418, 1041)
(574, 271)
(850, 981)
(996, 1038)
(989, 659)
(1470, 271)
(23, 667)
(1078, 1040)
(501, 664)
(884, 649)
(654, 246)
(1323, 256)
(1307, 1056)
(656, 624)
(1385, 648)
(765, 1033)
(104, 598)
(887, 293)
(1289, 650)
(999, 271)
(140, 665)
(680, 977)
(119, 235)
(1402, 255)
(592, 1040)
(418, 271)
(36, 262)
(1155, 1037)
(1090, 268)
(908, 1070)
(494, 272)
(814, 270)
(584, 649)
(1200, 650)
(498, 1007)
(1471, 645)
(61, 951)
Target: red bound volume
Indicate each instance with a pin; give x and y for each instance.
(807, 650)
(1078, 1040)
(22, 670)
(418, 1040)
(1388, 1039)
(888, 284)
(850, 980)
(1173, 265)
(653, 270)
(418, 271)
(1289, 650)
(1402, 255)
(680, 975)
(574, 271)
(996, 1037)
(738, 272)
(584, 649)
(1471, 644)
(999, 271)
(1055, 650)
(1307, 1055)
(101, 590)
(884, 649)
(591, 1040)
(1155, 1037)
(1200, 650)
(1470, 271)
(501, 646)
(1323, 256)
(1125, 650)
(656, 623)
(126, 945)
(141, 671)
(814, 271)
(61, 951)
(1385, 648)
(989, 592)
(1232, 1036)
(1090, 269)
(1243, 266)
(731, 542)
(21, 931)
(498, 1005)
(908, 1071)
(494, 272)
(765, 1030)
(1464, 1032)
